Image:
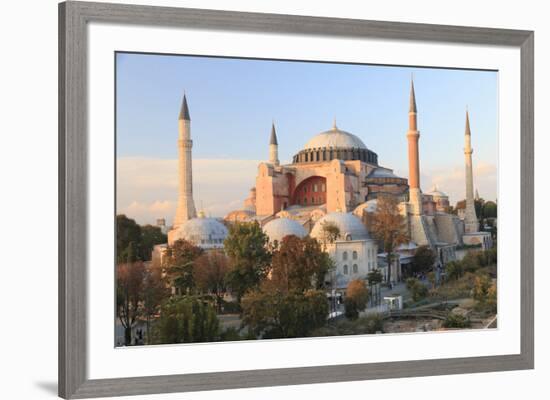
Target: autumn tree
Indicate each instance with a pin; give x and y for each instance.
(389, 226)
(299, 264)
(179, 264)
(423, 260)
(210, 274)
(130, 281)
(356, 299)
(249, 258)
(187, 319)
(330, 233)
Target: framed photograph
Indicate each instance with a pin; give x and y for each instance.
(281, 200)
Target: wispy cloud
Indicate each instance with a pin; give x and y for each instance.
(453, 181)
(147, 187)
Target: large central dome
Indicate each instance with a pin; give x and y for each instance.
(335, 138)
(335, 144)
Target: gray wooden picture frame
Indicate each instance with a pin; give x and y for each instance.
(73, 196)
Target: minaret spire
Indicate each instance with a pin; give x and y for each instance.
(273, 146)
(471, 224)
(412, 98)
(186, 206)
(184, 111)
(415, 194)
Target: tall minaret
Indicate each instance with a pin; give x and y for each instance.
(471, 224)
(273, 147)
(415, 195)
(186, 205)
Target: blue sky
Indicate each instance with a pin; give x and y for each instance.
(233, 101)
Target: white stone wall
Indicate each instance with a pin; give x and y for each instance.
(342, 253)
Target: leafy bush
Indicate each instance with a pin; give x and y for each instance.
(356, 299)
(456, 321)
(418, 290)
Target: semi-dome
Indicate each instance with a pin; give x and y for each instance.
(207, 233)
(351, 227)
(335, 138)
(278, 228)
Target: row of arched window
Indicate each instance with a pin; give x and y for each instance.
(315, 155)
(345, 255)
(354, 269)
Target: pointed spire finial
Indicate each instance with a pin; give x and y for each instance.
(273, 138)
(412, 98)
(334, 126)
(184, 111)
(467, 129)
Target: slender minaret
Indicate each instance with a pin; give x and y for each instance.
(273, 147)
(415, 195)
(186, 205)
(471, 224)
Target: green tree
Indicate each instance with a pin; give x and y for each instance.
(246, 247)
(389, 226)
(374, 279)
(130, 278)
(150, 236)
(423, 260)
(273, 314)
(179, 263)
(154, 293)
(128, 234)
(356, 299)
(490, 209)
(187, 319)
(299, 264)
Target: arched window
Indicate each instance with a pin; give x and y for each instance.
(348, 237)
(355, 255)
(345, 256)
(355, 269)
(346, 269)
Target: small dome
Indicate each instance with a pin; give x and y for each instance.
(351, 227)
(335, 138)
(207, 233)
(278, 228)
(436, 192)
